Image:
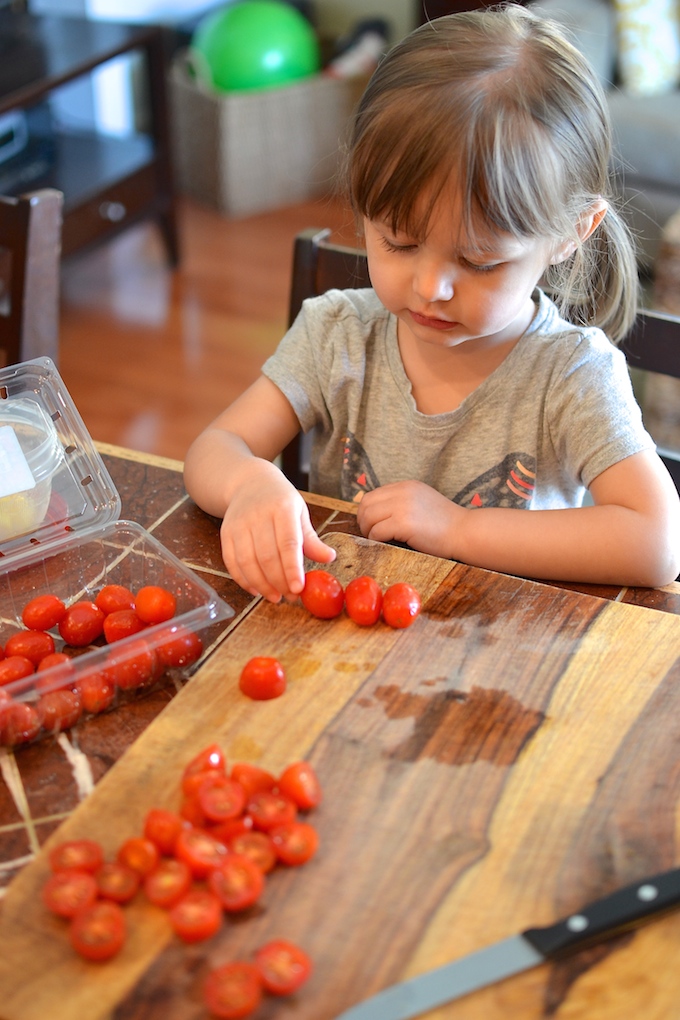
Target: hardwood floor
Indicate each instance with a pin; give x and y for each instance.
(151, 355)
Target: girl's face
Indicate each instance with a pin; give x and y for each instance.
(449, 290)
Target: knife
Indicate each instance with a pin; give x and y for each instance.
(628, 908)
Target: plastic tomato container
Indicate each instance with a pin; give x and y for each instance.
(60, 534)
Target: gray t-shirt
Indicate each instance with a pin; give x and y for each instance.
(556, 412)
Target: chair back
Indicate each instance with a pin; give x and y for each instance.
(30, 253)
(653, 345)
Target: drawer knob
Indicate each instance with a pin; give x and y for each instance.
(112, 211)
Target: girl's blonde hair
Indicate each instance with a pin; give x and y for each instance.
(499, 104)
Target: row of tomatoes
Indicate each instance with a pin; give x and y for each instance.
(64, 693)
(363, 600)
(234, 826)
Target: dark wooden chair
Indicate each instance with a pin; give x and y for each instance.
(30, 255)
(653, 345)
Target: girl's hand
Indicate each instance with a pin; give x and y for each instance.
(266, 532)
(410, 512)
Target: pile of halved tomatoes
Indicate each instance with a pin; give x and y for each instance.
(207, 860)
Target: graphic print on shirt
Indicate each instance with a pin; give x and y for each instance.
(510, 484)
(357, 475)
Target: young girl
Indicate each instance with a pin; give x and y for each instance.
(455, 396)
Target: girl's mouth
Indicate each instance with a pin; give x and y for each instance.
(431, 323)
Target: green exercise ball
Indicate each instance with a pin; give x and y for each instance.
(254, 44)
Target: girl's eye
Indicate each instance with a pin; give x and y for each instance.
(399, 248)
(483, 268)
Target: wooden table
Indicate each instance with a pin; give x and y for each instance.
(506, 759)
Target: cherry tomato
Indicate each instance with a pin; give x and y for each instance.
(401, 605)
(138, 853)
(301, 784)
(283, 966)
(62, 675)
(97, 691)
(191, 812)
(294, 842)
(121, 623)
(155, 604)
(32, 644)
(59, 710)
(211, 758)
(43, 612)
(233, 991)
(15, 667)
(363, 600)
(134, 665)
(179, 646)
(162, 828)
(117, 882)
(114, 597)
(262, 678)
(237, 883)
(77, 855)
(19, 723)
(251, 777)
(225, 832)
(98, 932)
(257, 846)
(268, 808)
(221, 798)
(168, 883)
(67, 892)
(322, 595)
(82, 623)
(196, 916)
(201, 851)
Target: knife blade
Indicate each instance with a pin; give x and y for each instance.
(630, 907)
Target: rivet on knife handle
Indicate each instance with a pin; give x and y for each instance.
(627, 908)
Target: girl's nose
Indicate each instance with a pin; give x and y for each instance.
(434, 282)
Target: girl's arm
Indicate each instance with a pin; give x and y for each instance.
(266, 529)
(631, 536)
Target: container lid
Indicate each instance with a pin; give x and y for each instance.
(53, 483)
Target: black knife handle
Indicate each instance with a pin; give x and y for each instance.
(622, 910)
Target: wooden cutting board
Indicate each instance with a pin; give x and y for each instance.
(510, 756)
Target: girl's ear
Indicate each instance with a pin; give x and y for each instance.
(586, 224)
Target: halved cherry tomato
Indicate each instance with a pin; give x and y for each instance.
(155, 604)
(81, 624)
(283, 966)
(300, 783)
(138, 853)
(43, 612)
(262, 678)
(251, 777)
(363, 600)
(15, 667)
(134, 665)
(268, 808)
(97, 691)
(33, 644)
(237, 883)
(98, 932)
(322, 595)
(201, 851)
(233, 991)
(257, 846)
(19, 722)
(77, 855)
(221, 798)
(179, 646)
(211, 758)
(59, 710)
(167, 883)
(117, 882)
(121, 623)
(190, 812)
(114, 597)
(196, 916)
(67, 892)
(401, 605)
(227, 831)
(294, 842)
(162, 828)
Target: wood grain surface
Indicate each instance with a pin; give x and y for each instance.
(509, 757)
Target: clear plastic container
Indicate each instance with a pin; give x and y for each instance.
(76, 546)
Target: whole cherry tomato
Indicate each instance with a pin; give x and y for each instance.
(15, 667)
(62, 672)
(135, 665)
(97, 691)
(262, 678)
(121, 623)
(322, 595)
(300, 782)
(401, 605)
(155, 604)
(233, 991)
(82, 623)
(363, 600)
(43, 612)
(237, 883)
(98, 931)
(178, 646)
(114, 597)
(33, 644)
(67, 892)
(59, 710)
(19, 723)
(283, 966)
